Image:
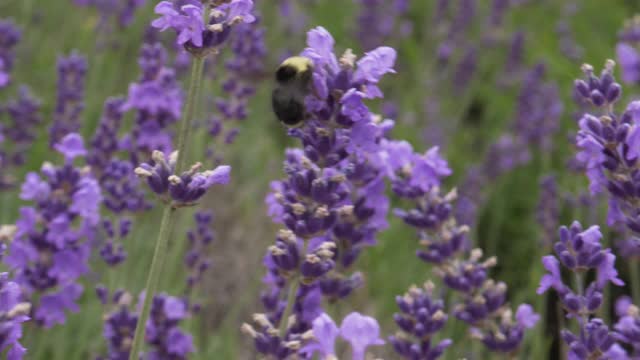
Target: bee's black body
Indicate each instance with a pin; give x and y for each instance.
(293, 80)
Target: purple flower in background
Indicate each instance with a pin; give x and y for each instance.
(186, 19)
(117, 179)
(380, 20)
(197, 258)
(18, 134)
(164, 337)
(243, 70)
(548, 209)
(50, 251)
(15, 312)
(120, 11)
(112, 251)
(157, 100)
(628, 53)
(72, 71)
(180, 189)
(9, 37)
(360, 331)
(482, 302)
(538, 110)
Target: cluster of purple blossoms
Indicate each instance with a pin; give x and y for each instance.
(19, 133)
(14, 312)
(332, 202)
(112, 250)
(580, 251)
(197, 35)
(379, 20)
(164, 336)
(538, 110)
(628, 51)
(200, 239)
(72, 72)
(245, 66)
(360, 331)
(51, 247)
(483, 303)
(421, 316)
(566, 39)
(120, 186)
(628, 325)
(608, 147)
(157, 100)
(548, 209)
(9, 37)
(121, 11)
(183, 189)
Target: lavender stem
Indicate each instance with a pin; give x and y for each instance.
(168, 216)
(291, 298)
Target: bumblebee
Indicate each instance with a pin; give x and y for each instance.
(293, 84)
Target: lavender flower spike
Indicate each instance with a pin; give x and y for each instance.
(186, 20)
(421, 317)
(579, 251)
(360, 331)
(184, 189)
(14, 313)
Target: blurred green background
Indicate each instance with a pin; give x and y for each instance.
(54, 28)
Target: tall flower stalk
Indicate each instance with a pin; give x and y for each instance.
(200, 30)
(168, 216)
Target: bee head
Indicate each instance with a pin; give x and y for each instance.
(296, 67)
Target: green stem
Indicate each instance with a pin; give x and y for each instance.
(291, 298)
(168, 216)
(634, 273)
(152, 281)
(189, 111)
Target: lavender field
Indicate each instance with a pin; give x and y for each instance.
(319, 179)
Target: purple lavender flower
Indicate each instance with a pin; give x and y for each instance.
(51, 247)
(157, 99)
(601, 91)
(200, 240)
(72, 71)
(184, 189)
(9, 37)
(580, 251)
(186, 19)
(420, 318)
(608, 149)
(164, 336)
(628, 326)
(163, 332)
(482, 304)
(117, 179)
(332, 201)
(14, 313)
(379, 20)
(629, 60)
(112, 251)
(120, 11)
(627, 51)
(360, 331)
(538, 110)
(19, 133)
(244, 68)
(548, 209)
